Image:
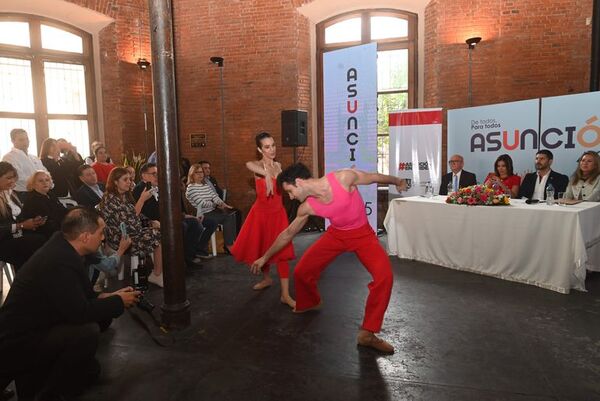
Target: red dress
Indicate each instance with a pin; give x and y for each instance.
(103, 170)
(265, 221)
(509, 181)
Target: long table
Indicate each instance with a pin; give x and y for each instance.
(549, 246)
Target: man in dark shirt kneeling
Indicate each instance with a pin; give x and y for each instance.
(50, 322)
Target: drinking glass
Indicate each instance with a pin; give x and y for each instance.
(561, 199)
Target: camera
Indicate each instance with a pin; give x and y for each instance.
(144, 304)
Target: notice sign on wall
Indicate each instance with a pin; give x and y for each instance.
(350, 115)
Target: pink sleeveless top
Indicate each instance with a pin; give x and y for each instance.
(346, 211)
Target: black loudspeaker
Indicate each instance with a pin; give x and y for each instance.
(294, 131)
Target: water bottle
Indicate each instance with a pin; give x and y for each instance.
(550, 195)
(428, 190)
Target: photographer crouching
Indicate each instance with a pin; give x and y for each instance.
(50, 322)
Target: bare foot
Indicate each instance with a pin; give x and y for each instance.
(261, 285)
(316, 307)
(368, 339)
(288, 301)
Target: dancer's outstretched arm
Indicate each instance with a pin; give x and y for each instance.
(352, 177)
(304, 211)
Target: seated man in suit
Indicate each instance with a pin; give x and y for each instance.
(90, 193)
(457, 176)
(534, 184)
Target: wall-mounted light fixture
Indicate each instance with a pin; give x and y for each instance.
(471, 43)
(218, 61)
(143, 63)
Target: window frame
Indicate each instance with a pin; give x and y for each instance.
(38, 56)
(409, 42)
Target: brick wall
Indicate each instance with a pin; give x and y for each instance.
(265, 44)
(529, 49)
(121, 44)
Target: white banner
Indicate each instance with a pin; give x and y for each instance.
(416, 148)
(570, 126)
(350, 119)
(481, 134)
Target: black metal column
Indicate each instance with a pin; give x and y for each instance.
(176, 313)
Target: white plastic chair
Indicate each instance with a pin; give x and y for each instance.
(8, 271)
(68, 202)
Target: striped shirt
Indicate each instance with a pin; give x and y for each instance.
(203, 197)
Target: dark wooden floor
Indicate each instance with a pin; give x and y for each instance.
(458, 336)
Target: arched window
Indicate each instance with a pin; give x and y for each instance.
(395, 33)
(45, 82)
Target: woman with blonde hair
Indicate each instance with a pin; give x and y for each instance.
(585, 181)
(18, 239)
(40, 201)
(118, 206)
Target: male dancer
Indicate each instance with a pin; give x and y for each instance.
(336, 197)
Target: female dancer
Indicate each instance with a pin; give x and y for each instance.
(266, 219)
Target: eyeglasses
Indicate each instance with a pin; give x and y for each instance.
(454, 161)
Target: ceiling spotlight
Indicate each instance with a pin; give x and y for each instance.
(217, 60)
(143, 63)
(473, 41)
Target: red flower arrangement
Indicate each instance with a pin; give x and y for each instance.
(479, 195)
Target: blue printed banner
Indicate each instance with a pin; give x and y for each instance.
(481, 134)
(350, 118)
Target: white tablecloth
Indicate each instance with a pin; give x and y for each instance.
(546, 246)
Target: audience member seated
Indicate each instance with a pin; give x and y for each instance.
(534, 184)
(210, 180)
(73, 160)
(92, 158)
(203, 197)
(585, 181)
(131, 172)
(18, 241)
(458, 177)
(102, 166)
(24, 163)
(50, 322)
(41, 202)
(91, 191)
(59, 171)
(194, 243)
(504, 177)
(117, 206)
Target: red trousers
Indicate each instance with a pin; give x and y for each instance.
(364, 243)
(283, 269)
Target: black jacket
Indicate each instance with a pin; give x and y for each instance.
(87, 197)
(151, 209)
(215, 184)
(52, 288)
(466, 180)
(60, 176)
(558, 181)
(37, 204)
